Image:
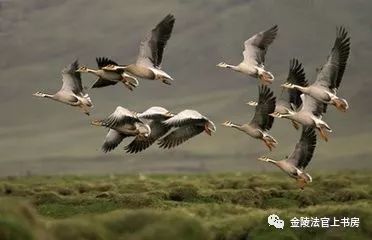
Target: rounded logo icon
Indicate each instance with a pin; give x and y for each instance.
(274, 220)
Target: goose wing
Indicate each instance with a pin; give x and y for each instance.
(120, 117)
(304, 149)
(265, 106)
(112, 140)
(310, 104)
(186, 117)
(154, 113)
(180, 135)
(102, 62)
(255, 48)
(152, 47)
(331, 73)
(140, 143)
(103, 83)
(296, 75)
(71, 79)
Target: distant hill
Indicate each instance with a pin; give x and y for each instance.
(40, 37)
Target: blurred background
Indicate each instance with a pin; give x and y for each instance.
(40, 37)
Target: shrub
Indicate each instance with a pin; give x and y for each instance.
(183, 193)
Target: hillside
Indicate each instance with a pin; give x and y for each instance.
(205, 206)
(39, 37)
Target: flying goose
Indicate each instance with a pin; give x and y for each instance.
(109, 77)
(122, 123)
(290, 99)
(187, 124)
(295, 164)
(154, 117)
(72, 92)
(150, 55)
(309, 115)
(255, 49)
(329, 76)
(262, 121)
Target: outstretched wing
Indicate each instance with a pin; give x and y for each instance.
(155, 112)
(140, 143)
(186, 117)
(71, 79)
(103, 83)
(180, 135)
(331, 73)
(255, 48)
(112, 140)
(296, 75)
(304, 149)
(312, 105)
(152, 47)
(120, 117)
(104, 61)
(265, 106)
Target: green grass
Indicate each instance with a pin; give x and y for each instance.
(208, 206)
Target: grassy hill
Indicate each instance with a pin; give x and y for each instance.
(209, 206)
(39, 37)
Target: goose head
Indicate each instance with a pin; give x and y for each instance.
(266, 159)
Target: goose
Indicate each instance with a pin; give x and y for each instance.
(154, 117)
(262, 121)
(309, 115)
(295, 164)
(187, 123)
(109, 77)
(329, 76)
(255, 49)
(148, 64)
(72, 92)
(290, 99)
(122, 123)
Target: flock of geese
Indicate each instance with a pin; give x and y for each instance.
(303, 103)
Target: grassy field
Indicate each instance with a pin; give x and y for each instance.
(206, 206)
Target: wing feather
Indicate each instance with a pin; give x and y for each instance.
(180, 135)
(265, 106)
(186, 117)
(296, 75)
(331, 73)
(255, 48)
(71, 79)
(120, 117)
(152, 47)
(112, 140)
(304, 149)
(140, 143)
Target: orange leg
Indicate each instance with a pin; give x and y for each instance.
(265, 78)
(340, 105)
(295, 125)
(267, 143)
(85, 109)
(322, 134)
(127, 84)
(301, 183)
